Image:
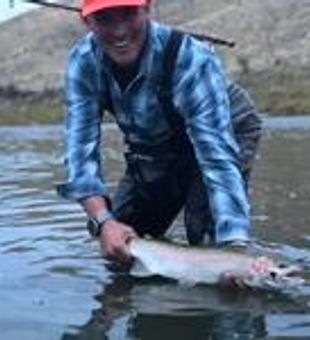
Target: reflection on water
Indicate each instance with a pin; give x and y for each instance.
(55, 285)
(162, 310)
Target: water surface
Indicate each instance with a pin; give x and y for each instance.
(55, 285)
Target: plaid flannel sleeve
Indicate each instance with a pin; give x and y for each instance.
(200, 93)
(82, 131)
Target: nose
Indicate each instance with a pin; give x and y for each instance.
(120, 29)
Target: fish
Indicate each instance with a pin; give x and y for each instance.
(196, 265)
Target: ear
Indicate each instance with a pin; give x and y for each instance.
(89, 23)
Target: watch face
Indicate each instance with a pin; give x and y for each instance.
(93, 227)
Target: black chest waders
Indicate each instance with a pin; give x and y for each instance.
(161, 179)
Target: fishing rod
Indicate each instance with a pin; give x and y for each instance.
(203, 37)
(49, 4)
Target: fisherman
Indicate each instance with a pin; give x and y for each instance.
(201, 164)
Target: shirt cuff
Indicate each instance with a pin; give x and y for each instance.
(78, 191)
(232, 229)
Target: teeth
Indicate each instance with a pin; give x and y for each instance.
(121, 44)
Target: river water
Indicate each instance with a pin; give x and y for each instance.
(55, 285)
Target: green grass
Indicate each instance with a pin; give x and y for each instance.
(32, 114)
(280, 93)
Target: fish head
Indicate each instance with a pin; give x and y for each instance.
(267, 274)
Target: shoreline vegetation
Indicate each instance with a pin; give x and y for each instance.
(275, 93)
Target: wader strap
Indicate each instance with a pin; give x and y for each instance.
(165, 90)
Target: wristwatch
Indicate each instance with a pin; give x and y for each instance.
(96, 223)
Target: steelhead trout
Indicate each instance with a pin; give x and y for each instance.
(209, 266)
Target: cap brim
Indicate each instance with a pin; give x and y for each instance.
(101, 5)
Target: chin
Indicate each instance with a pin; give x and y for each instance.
(124, 61)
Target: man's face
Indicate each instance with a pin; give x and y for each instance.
(122, 31)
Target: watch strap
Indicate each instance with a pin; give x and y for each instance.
(103, 216)
(96, 223)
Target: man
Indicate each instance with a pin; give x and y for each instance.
(117, 66)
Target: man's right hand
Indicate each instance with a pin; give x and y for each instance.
(114, 240)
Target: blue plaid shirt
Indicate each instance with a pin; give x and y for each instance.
(199, 93)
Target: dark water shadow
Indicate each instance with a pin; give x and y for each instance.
(159, 309)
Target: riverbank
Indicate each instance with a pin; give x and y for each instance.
(29, 107)
(279, 91)
(274, 92)
(270, 58)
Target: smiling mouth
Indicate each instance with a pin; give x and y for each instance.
(121, 45)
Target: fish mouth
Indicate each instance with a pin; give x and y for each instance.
(278, 278)
(286, 276)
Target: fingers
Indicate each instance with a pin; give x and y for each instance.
(114, 241)
(129, 234)
(116, 251)
(119, 255)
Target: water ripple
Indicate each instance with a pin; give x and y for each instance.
(49, 265)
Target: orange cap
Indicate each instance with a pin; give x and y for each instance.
(91, 6)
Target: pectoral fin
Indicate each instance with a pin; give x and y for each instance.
(138, 269)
